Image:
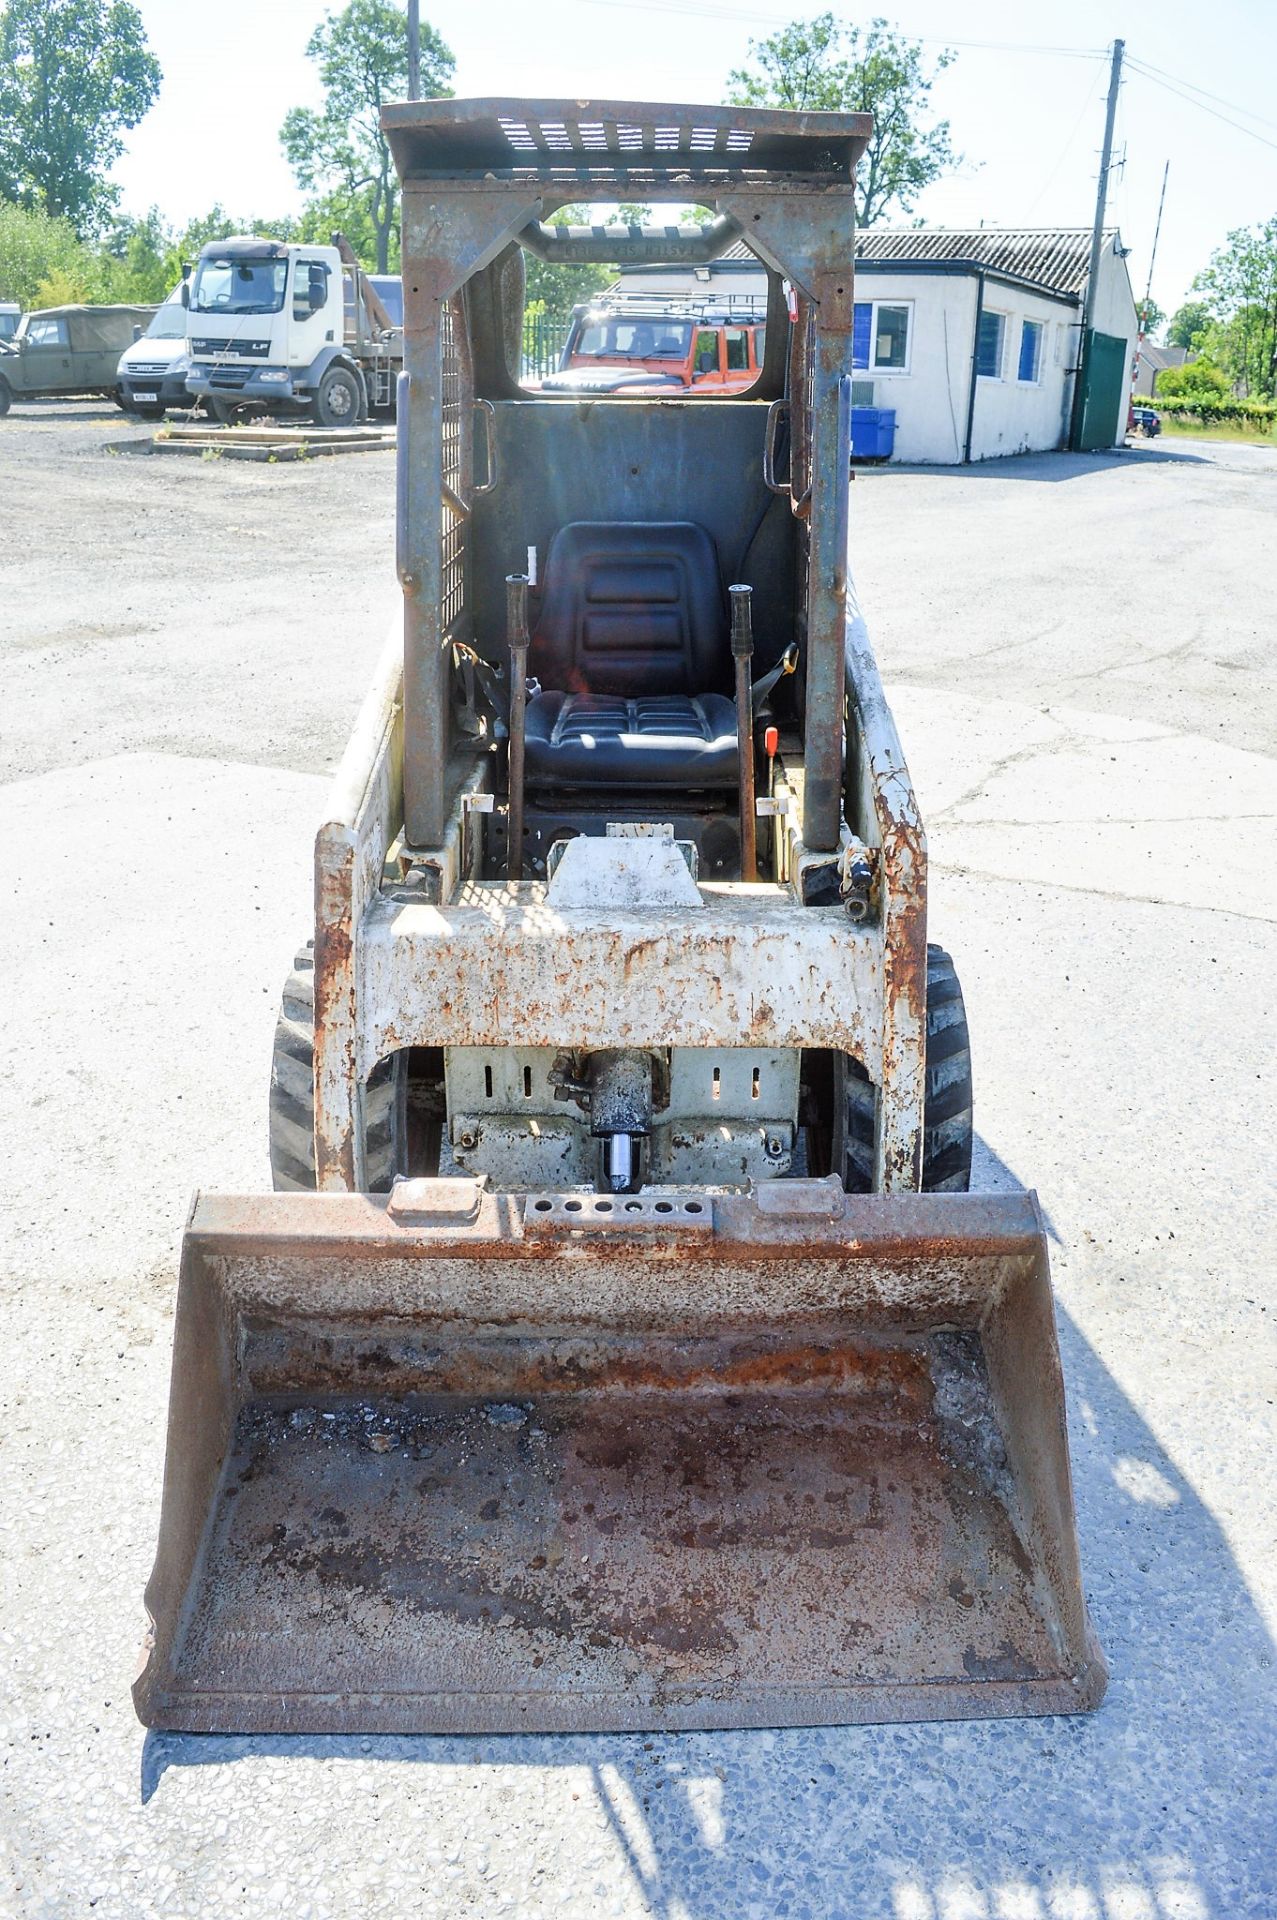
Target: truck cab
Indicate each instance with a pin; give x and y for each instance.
(267, 330)
(661, 347)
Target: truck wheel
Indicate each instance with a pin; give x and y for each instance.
(6, 396)
(947, 1129)
(292, 1094)
(337, 399)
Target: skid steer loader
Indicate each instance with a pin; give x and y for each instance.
(635, 1358)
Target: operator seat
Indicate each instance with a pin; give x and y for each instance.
(633, 628)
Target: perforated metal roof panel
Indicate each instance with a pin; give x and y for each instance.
(620, 141)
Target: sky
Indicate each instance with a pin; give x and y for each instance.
(1024, 98)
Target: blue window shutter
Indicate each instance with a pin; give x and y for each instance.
(1028, 350)
(861, 329)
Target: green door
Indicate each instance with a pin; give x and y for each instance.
(1104, 395)
(46, 355)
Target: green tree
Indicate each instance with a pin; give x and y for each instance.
(1240, 285)
(1199, 377)
(825, 66)
(1151, 315)
(37, 254)
(74, 76)
(362, 56)
(135, 259)
(1188, 323)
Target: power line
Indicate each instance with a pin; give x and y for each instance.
(780, 20)
(1238, 126)
(1067, 148)
(1246, 112)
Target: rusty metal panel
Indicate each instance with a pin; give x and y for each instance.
(501, 963)
(890, 821)
(362, 818)
(577, 141)
(470, 1462)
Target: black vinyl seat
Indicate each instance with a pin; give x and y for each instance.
(632, 648)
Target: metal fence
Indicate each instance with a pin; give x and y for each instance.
(544, 335)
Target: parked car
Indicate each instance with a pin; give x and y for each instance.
(1144, 420)
(660, 347)
(152, 371)
(70, 350)
(10, 314)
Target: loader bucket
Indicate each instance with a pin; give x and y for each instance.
(483, 1462)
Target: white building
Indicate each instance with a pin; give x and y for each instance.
(972, 338)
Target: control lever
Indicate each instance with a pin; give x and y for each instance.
(516, 591)
(742, 654)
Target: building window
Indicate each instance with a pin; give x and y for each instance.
(891, 338)
(1031, 351)
(880, 336)
(988, 353)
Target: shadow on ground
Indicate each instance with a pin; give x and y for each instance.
(1055, 468)
(1161, 1806)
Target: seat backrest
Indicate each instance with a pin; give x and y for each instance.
(632, 607)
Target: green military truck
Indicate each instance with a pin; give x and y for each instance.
(67, 350)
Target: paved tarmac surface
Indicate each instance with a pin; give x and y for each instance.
(1079, 652)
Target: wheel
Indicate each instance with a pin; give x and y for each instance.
(337, 399)
(947, 1130)
(292, 1094)
(6, 396)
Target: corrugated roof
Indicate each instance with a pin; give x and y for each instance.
(1052, 257)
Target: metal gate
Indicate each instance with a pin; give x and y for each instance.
(544, 335)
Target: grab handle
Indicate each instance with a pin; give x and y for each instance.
(403, 394)
(842, 486)
(488, 414)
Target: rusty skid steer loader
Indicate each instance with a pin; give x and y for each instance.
(693, 1391)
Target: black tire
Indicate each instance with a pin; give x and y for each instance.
(6, 396)
(292, 1094)
(947, 1124)
(338, 399)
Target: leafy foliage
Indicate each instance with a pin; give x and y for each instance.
(44, 263)
(823, 65)
(74, 76)
(34, 250)
(362, 56)
(1188, 324)
(1201, 377)
(1152, 316)
(1207, 410)
(1240, 285)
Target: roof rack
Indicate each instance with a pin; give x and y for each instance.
(620, 142)
(680, 306)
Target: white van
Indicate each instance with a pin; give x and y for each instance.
(152, 372)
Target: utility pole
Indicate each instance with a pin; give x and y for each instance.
(1097, 240)
(1152, 258)
(1142, 315)
(414, 49)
